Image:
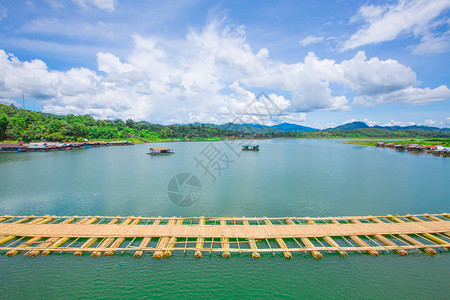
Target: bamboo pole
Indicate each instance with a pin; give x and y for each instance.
(91, 241)
(308, 244)
(358, 241)
(4, 239)
(48, 242)
(106, 242)
(381, 238)
(330, 241)
(428, 235)
(280, 241)
(252, 243)
(433, 218)
(163, 241)
(32, 240)
(120, 240)
(225, 242)
(172, 241)
(200, 241)
(59, 242)
(410, 240)
(146, 240)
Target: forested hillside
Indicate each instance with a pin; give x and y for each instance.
(25, 125)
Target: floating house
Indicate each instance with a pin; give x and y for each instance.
(250, 148)
(415, 147)
(20, 147)
(160, 151)
(400, 147)
(390, 145)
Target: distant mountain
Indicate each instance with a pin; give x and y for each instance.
(288, 127)
(251, 128)
(350, 126)
(263, 129)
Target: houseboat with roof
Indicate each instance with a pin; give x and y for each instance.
(250, 148)
(160, 151)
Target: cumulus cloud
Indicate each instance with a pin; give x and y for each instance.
(311, 40)
(434, 123)
(388, 22)
(213, 75)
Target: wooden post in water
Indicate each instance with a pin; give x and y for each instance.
(224, 242)
(145, 241)
(200, 241)
(280, 241)
(308, 244)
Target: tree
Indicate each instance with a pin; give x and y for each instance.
(130, 123)
(3, 125)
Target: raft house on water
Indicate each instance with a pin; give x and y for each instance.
(250, 148)
(160, 151)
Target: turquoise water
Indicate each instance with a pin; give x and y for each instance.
(286, 178)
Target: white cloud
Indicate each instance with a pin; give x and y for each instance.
(9, 101)
(3, 12)
(311, 40)
(388, 22)
(54, 4)
(431, 44)
(210, 76)
(434, 123)
(108, 5)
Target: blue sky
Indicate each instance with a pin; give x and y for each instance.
(320, 63)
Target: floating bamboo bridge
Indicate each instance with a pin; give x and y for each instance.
(34, 235)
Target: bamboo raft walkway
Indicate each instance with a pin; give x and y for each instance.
(34, 235)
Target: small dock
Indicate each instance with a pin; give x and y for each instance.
(228, 236)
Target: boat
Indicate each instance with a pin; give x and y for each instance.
(250, 147)
(160, 151)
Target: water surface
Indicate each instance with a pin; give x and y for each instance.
(286, 178)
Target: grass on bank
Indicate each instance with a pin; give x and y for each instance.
(434, 141)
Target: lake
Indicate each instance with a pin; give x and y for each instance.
(288, 177)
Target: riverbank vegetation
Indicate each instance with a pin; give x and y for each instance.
(435, 141)
(27, 126)
(30, 126)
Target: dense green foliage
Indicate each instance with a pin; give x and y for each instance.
(434, 141)
(368, 133)
(25, 125)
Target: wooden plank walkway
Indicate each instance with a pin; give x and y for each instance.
(107, 235)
